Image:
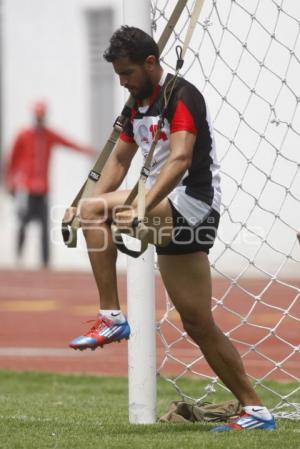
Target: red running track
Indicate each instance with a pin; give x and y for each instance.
(41, 311)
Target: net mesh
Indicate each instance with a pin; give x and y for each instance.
(244, 57)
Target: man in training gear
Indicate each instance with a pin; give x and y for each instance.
(182, 213)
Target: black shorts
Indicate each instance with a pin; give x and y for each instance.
(190, 239)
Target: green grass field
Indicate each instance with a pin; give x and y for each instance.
(54, 411)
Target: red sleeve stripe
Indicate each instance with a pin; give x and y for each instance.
(182, 119)
(126, 138)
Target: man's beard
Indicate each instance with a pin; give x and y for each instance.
(145, 91)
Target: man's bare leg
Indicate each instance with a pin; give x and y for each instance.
(111, 325)
(94, 213)
(190, 292)
(101, 248)
(103, 256)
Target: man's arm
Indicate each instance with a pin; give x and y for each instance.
(116, 167)
(112, 174)
(179, 160)
(57, 139)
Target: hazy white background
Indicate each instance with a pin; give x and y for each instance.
(46, 56)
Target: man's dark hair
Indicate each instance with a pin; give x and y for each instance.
(133, 43)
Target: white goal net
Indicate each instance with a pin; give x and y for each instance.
(244, 57)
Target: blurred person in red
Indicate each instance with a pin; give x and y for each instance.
(27, 174)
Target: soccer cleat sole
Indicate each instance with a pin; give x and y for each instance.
(93, 348)
(258, 424)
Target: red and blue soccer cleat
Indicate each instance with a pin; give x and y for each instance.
(103, 332)
(247, 422)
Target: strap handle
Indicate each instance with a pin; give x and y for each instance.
(69, 232)
(141, 233)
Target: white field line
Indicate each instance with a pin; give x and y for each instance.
(69, 353)
(32, 292)
(37, 352)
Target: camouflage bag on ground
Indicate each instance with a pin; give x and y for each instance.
(183, 412)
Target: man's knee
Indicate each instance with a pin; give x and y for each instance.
(92, 211)
(87, 210)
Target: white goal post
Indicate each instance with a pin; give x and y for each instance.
(244, 57)
(140, 286)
